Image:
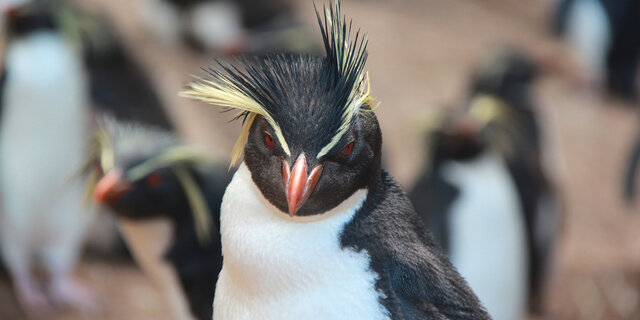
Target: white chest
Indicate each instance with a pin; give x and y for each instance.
(276, 267)
(487, 235)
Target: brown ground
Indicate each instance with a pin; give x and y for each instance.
(421, 53)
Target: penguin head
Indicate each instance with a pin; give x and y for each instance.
(157, 193)
(143, 172)
(30, 17)
(311, 137)
(459, 137)
(306, 181)
(507, 75)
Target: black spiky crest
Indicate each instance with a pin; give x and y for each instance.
(284, 88)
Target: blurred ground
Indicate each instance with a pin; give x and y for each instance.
(420, 56)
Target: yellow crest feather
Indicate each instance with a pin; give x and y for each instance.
(226, 94)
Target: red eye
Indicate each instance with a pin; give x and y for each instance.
(154, 179)
(347, 150)
(269, 141)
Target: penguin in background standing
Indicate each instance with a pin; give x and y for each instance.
(166, 196)
(44, 116)
(604, 36)
(311, 226)
(483, 190)
(59, 60)
(468, 200)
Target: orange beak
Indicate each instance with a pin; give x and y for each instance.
(110, 187)
(298, 185)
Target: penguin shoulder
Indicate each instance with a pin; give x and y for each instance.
(416, 278)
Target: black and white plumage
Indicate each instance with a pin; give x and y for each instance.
(481, 163)
(604, 36)
(167, 197)
(311, 226)
(44, 111)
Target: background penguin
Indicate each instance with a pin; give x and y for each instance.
(53, 70)
(604, 36)
(167, 196)
(497, 132)
(311, 226)
(45, 99)
(228, 26)
(469, 200)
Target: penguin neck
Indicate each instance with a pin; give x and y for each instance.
(264, 248)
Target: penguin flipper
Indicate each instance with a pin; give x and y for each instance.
(417, 278)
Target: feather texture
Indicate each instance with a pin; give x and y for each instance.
(284, 88)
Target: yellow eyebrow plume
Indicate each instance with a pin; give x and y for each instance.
(221, 91)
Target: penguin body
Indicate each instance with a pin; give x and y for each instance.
(603, 35)
(483, 229)
(245, 291)
(156, 217)
(507, 77)
(45, 110)
(59, 60)
(311, 226)
(488, 235)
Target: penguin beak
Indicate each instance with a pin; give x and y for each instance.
(297, 184)
(468, 127)
(110, 187)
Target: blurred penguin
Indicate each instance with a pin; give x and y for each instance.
(484, 194)
(58, 61)
(167, 198)
(604, 36)
(507, 78)
(44, 113)
(228, 26)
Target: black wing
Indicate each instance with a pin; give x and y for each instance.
(418, 280)
(432, 198)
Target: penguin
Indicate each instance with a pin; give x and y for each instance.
(44, 112)
(508, 76)
(603, 36)
(166, 195)
(484, 162)
(311, 226)
(468, 199)
(228, 26)
(59, 62)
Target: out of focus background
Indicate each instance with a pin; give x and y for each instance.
(422, 54)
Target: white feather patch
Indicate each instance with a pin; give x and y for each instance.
(487, 235)
(277, 267)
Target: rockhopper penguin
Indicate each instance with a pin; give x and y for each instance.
(311, 226)
(44, 116)
(484, 193)
(167, 196)
(469, 201)
(59, 61)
